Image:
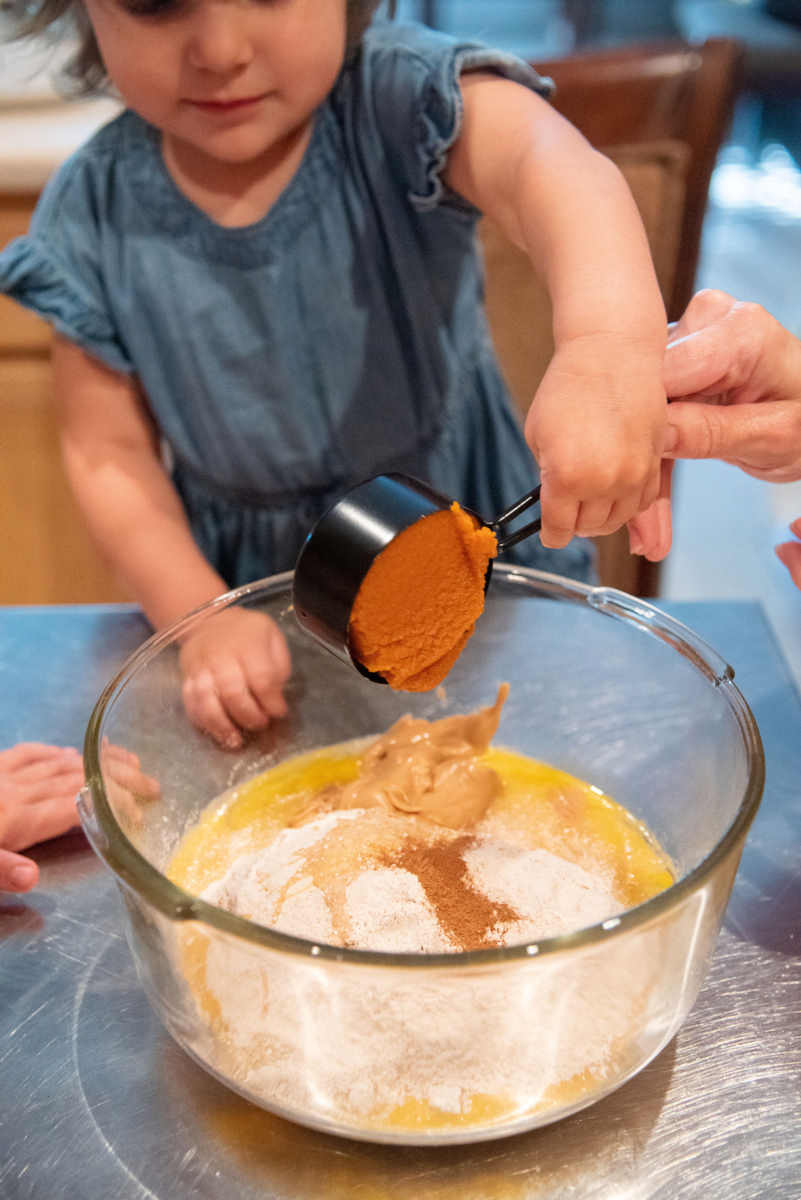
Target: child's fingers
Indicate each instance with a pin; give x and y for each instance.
(57, 779)
(17, 874)
(206, 710)
(559, 513)
(123, 767)
(597, 518)
(25, 753)
(266, 676)
(234, 673)
(593, 516)
(239, 699)
(35, 765)
(223, 705)
(274, 701)
(27, 822)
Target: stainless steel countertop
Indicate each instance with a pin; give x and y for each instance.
(97, 1102)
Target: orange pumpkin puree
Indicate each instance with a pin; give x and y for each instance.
(419, 602)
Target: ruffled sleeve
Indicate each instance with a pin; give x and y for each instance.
(411, 80)
(30, 275)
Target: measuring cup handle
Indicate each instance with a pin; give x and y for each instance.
(506, 541)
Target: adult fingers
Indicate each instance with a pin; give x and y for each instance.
(762, 439)
(705, 308)
(651, 531)
(719, 348)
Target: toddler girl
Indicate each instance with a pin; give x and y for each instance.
(265, 288)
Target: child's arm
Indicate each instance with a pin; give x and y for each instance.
(236, 665)
(596, 423)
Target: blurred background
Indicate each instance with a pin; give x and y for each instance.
(726, 524)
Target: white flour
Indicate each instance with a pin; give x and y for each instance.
(351, 1042)
(347, 1041)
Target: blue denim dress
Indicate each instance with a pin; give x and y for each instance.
(341, 336)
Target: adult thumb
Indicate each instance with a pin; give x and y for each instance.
(698, 430)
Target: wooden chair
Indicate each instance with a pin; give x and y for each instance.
(661, 112)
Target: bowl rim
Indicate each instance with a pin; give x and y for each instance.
(132, 869)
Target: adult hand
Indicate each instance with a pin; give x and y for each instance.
(733, 374)
(38, 787)
(651, 531)
(235, 667)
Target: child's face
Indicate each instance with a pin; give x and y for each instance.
(230, 80)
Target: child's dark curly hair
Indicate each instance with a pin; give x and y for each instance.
(85, 73)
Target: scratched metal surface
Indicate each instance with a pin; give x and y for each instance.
(96, 1101)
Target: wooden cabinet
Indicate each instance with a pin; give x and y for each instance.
(46, 553)
(21, 333)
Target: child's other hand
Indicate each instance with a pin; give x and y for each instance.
(235, 667)
(790, 553)
(38, 787)
(596, 427)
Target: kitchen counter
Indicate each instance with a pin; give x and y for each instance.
(96, 1101)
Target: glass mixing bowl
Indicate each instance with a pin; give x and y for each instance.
(479, 1044)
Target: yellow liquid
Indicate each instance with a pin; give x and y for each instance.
(540, 807)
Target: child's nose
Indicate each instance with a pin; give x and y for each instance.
(219, 39)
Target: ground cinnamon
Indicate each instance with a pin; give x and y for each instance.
(419, 602)
(466, 914)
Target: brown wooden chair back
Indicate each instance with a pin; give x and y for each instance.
(661, 112)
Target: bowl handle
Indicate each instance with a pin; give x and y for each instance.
(620, 604)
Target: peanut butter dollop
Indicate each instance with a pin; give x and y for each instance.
(427, 769)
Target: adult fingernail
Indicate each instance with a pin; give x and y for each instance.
(671, 439)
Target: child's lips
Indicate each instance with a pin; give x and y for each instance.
(232, 105)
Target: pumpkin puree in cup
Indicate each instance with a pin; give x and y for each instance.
(419, 602)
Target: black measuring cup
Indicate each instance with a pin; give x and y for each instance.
(348, 537)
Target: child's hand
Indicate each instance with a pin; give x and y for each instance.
(38, 787)
(596, 427)
(127, 786)
(235, 667)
